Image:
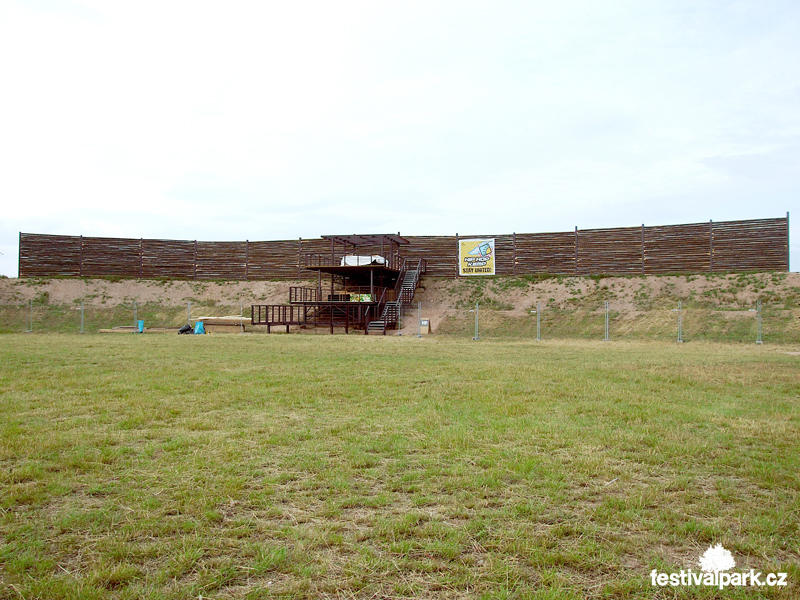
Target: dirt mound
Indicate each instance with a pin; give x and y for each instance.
(730, 296)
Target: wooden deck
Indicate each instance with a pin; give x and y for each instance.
(366, 290)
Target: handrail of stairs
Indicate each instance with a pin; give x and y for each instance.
(378, 310)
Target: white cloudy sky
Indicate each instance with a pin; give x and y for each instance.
(272, 120)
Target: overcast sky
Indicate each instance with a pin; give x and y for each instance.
(273, 120)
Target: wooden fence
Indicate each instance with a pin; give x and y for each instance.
(731, 246)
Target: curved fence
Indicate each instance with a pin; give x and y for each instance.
(728, 246)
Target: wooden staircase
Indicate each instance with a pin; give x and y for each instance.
(388, 320)
(404, 292)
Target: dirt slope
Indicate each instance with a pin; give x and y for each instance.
(441, 298)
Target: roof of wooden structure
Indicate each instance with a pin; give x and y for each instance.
(368, 239)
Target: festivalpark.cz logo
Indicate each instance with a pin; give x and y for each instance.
(714, 564)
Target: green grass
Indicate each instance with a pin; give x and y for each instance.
(66, 318)
(168, 466)
(699, 325)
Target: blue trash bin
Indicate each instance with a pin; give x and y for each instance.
(141, 326)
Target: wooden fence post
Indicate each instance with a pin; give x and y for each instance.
(642, 248)
(576, 250)
(514, 242)
(458, 255)
(711, 244)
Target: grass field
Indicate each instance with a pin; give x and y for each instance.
(369, 467)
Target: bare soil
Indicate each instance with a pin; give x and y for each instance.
(440, 298)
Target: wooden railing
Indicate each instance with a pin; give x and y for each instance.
(278, 314)
(326, 260)
(350, 293)
(299, 294)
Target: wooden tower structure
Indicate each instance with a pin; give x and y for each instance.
(369, 283)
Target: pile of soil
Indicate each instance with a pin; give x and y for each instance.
(440, 297)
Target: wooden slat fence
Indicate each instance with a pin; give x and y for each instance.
(730, 246)
(677, 248)
(545, 253)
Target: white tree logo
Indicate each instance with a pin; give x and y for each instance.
(716, 559)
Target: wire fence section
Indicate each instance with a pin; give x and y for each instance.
(762, 322)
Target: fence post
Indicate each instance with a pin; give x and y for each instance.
(642, 249)
(605, 339)
(711, 244)
(458, 256)
(538, 330)
(514, 242)
(31, 329)
(576, 250)
(758, 326)
(81, 316)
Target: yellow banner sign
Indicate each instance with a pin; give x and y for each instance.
(476, 257)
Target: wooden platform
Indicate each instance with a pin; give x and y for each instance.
(230, 324)
(132, 329)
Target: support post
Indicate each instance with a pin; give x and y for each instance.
(711, 244)
(758, 320)
(81, 316)
(514, 252)
(605, 339)
(642, 249)
(476, 311)
(538, 321)
(458, 254)
(576, 250)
